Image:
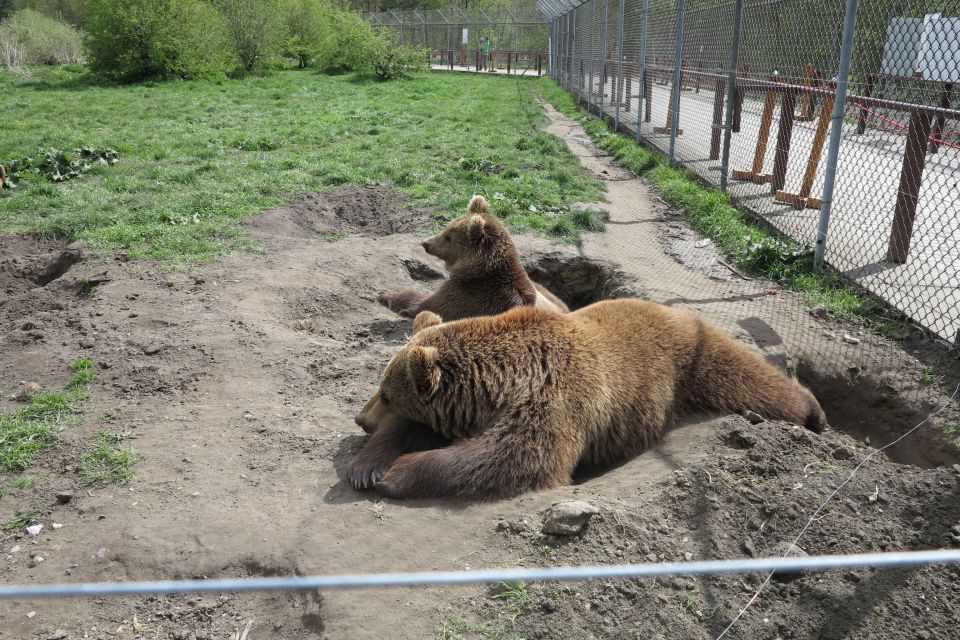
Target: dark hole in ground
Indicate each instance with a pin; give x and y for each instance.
(865, 407)
(578, 280)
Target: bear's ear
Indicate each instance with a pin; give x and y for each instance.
(425, 320)
(475, 227)
(422, 364)
(478, 204)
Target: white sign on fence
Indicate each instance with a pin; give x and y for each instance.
(940, 49)
(466, 36)
(929, 46)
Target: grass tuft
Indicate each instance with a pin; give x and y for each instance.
(36, 425)
(108, 462)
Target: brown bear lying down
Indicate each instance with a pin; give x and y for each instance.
(486, 276)
(528, 395)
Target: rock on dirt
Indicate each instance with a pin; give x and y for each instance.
(63, 497)
(422, 271)
(568, 518)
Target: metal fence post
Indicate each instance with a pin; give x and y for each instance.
(619, 92)
(836, 129)
(677, 76)
(593, 32)
(731, 93)
(603, 56)
(581, 39)
(644, 23)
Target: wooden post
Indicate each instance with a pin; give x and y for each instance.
(648, 95)
(864, 113)
(806, 105)
(668, 127)
(755, 173)
(803, 199)
(737, 108)
(945, 95)
(629, 89)
(784, 134)
(911, 177)
(719, 92)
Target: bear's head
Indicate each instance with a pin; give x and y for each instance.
(470, 239)
(410, 375)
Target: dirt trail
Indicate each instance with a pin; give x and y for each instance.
(244, 415)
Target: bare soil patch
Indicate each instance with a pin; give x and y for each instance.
(238, 382)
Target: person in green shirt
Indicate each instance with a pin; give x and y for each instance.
(485, 50)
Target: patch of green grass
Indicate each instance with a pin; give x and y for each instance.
(20, 519)
(196, 158)
(22, 482)
(35, 426)
(750, 246)
(108, 462)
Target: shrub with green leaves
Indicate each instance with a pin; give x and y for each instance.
(255, 28)
(348, 44)
(306, 24)
(393, 60)
(130, 40)
(29, 37)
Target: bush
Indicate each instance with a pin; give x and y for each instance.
(348, 44)
(256, 28)
(132, 40)
(307, 24)
(392, 60)
(70, 11)
(29, 37)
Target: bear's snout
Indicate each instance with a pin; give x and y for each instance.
(360, 423)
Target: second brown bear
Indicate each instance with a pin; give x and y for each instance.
(486, 275)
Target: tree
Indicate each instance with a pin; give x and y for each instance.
(256, 27)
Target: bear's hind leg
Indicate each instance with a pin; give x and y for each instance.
(393, 439)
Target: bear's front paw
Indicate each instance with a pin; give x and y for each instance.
(386, 298)
(366, 474)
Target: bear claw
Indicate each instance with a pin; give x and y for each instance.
(365, 478)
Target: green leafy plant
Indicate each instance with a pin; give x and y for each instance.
(58, 165)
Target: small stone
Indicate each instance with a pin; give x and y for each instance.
(63, 497)
(422, 271)
(568, 518)
(35, 529)
(849, 339)
(548, 605)
(829, 336)
(31, 614)
(15, 548)
(34, 561)
(86, 343)
(753, 418)
(820, 312)
(304, 324)
(842, 453)
(56, 525)
(703, 243)
(29, 390)
(152, 348)
(249, 416)
(59, 634)
(688, 556)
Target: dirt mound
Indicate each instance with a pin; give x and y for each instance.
(369, 211)
(27, 262)
(748, 497)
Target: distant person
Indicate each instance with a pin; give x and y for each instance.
(482, 61)
(485, 48)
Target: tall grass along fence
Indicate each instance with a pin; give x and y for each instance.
(505, 39)
(835, 122)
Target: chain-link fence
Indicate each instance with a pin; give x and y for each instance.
(836, 122)
(504, 39)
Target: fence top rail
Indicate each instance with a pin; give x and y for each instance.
(357, 581)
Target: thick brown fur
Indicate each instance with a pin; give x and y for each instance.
(486, 275)
(528, 395)
(3, 177)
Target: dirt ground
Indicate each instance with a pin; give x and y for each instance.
(238, 382)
